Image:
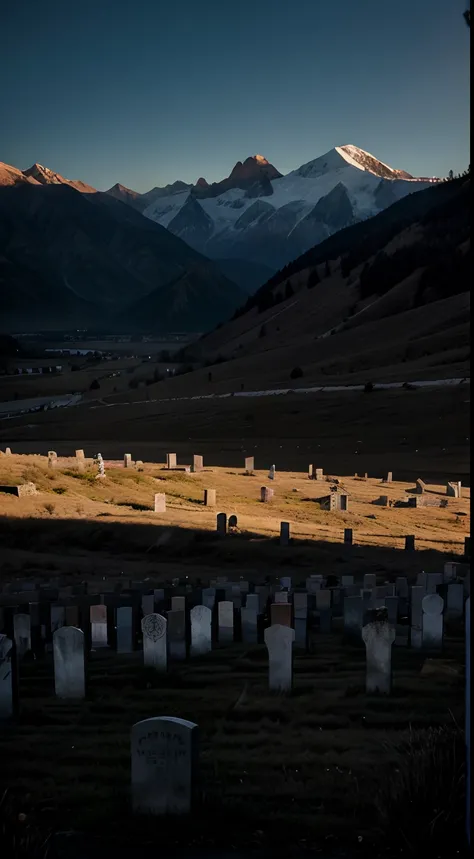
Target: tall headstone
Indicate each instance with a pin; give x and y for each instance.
(455, 600)
(410, 543)
(171, 460)
(198, 462)
(221, 523)
(281, 614)
(353, 617)
(52, 459)
(164, 764)
(98, 619)
(266, 494)
(249, 464)
(178, 603)
(370, 580)
(225, 619)
(201, 635)
(7, 674)
(279, 641)
(348, 536)
(284, 533)
(160, 502)
(154, 641)
(249, 625)
(416, 635)
(22, 633)
(127, 460)
(124, 618)
(177, 634)
(271, 473)
(209, 497)
(389, 477)
(378, 638)
(432, 606)
(69, 668)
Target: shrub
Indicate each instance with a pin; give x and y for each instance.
(59, 490)
(49, 508)
(368, 388)
(296, 373)
(94, 385)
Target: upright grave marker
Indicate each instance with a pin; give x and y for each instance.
(22, 633)
(249, 464)
(221, 523)
(164, 764)
(69, 670)
(171, 460)
(378, 638)
(225, 618)
(284, 533)
(209, 497)
(124, 617)
(177, 634)
(154, 641)
(279, 641)
(98, 619)
(127, 460)
(201, 637)
(432, 606)
(160, 502)
(7, 674)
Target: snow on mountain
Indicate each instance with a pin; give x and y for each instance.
(12, 176)
(259, 215)
(45, 176)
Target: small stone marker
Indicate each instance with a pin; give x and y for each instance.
(154, 641)
(80, 454)
(280, 596)
(221, 523)
(454, 489)
(281, 614)
(171, 460)
(348, 536)
(127, 460)
(249, 624)
(378, 638)
(22, 633)
(271, 473)
(432, 606)
(198, 463)
(210, 497)
(164, 763)
(98, 619)
(249, 464)
(279, 641)
(410, 543)
(52, 459)
(455, 600)
(225, 617)
(284, 533)
(69, 671)
(7, 668)
(266, 494)
(8, 451)
(160, 502)
(178, 603)
(201, 637)
(125, 629)
(389, 477)
(353, 616)
(177, 634)
(370, 581)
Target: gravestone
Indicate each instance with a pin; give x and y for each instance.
(8, 451)
(201, 632)
(98, 620)
(418, 592)
(347, 581)
(7, 685)
(432, 606)
(300, 605)
(401, 587)
(353, 616)
(148, 604)
(209, 497)
(420, 486)
(391, 604)
(432, 582)
(164, 764)
(225, 621)
(266, 494)
(80, 454)
(271, 473)
(177, 634)
(178, 603)
(22, 633)
(370, 580)
(280, 596)
(348, 536)
(58, 617)
(455, 600)
(249, 464)
(52, 459)
(124, 618)
(323, 599)
(389, 477)
(421, 580)
(221, 523)
(249, 625)
(233, 522)
(171, 460)
(208, 597)
(127, 460)
(284, 533)
(69, 668)
(160, 502)
(378, 638)
(279, 641)
(410, 543)
(281, 614)
(454, 489)
(198, 462)
(154, 641)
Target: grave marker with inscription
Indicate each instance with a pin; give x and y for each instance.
(164, 763)
(279, 641)
(154, 641)
(378, 638)
(69, 670)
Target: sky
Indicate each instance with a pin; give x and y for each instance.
(145, 92)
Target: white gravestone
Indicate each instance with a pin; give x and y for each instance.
(201, 636)
(432, 606)
(154, 641)
(160, 502)
(225, 617)
(22, 633)
(252, 601)
(68, 654)
(124, 629)
(279, 641)
(271, 473)
(6, 678)
(378, 638)
(164, 763)
(208, 597)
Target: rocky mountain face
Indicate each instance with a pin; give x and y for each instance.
(260, 216)
(70, 259)
(45, 176)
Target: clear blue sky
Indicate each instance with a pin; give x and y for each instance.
(144, 92)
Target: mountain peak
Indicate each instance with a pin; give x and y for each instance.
(365, 161)
(45, 176)
(201, 183)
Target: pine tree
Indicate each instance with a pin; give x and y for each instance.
(313, 278)
(289, 291)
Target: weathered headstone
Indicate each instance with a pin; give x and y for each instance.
(208, 597)
(280, 596)
(209, 497)
(279, 641)
(249, 464)
(281, 614)
(271, 473)
(198, 463)
(98, 620)
(22, 633)
(221, 523)
(455, 600)
(124, 618)
(266, 494)
(201, 636)
(69, 669)
(178, 603)
(348, 536)
(154, 641)
(401, 587)
(284, 533)
(378, 638)
(127, 460)
(225, 619)
(160, 502)
(323, 599)
(164, 763)
(410, 543)
(432, 606)
(8, 451)
(171, 460)
(370, 580)
(389, 477)
(353, 616)
(249, 624)
(454, 489)
(177, 634)
(233, 521)
(7, 673)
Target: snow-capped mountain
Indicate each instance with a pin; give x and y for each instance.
(259, 215)
(45, 176)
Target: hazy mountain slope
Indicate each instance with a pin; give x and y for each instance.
(248, 275)
(93, 249)
(260, 216)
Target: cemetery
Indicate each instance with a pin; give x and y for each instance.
(171, 646)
